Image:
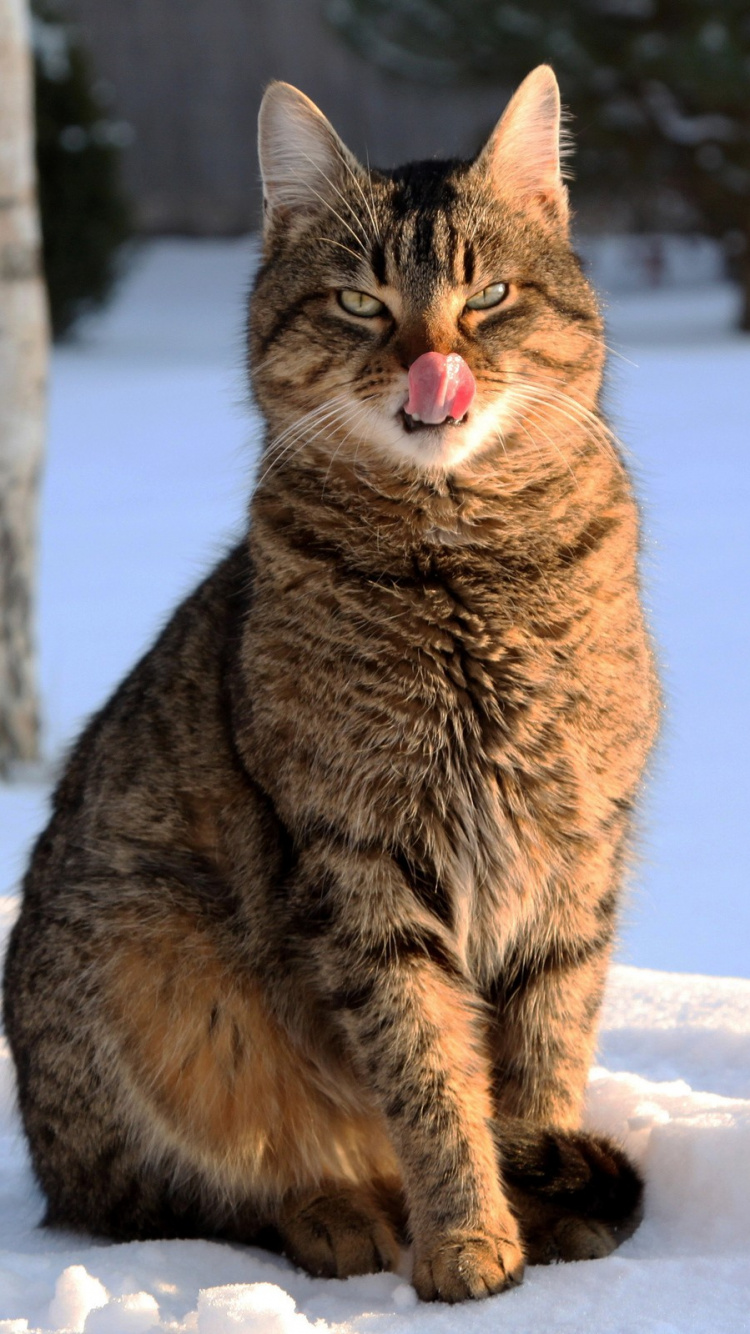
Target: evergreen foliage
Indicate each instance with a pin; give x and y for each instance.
(84, 215)
(659, 89)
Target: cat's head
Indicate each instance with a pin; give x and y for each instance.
(390, 304)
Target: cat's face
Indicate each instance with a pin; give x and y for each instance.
(366, 272)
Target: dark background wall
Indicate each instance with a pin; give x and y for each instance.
(188, 76)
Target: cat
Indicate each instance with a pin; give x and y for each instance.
(312, 950)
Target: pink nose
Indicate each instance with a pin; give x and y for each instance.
(439, 387)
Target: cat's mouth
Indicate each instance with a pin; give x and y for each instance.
(413, 423)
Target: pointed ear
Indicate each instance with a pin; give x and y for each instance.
(301, 156)
(522, 155)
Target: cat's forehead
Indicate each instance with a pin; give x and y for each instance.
(425, 185)
(424, 204)
(433, 226)
(423, 222)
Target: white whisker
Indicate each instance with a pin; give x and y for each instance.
(330, 241)
(365, 201)
(318, 418)
(363, 239)
(568, 407)
(596, 338)
(360, 415)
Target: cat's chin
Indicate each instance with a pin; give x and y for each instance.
(435, 448)
(443, 447)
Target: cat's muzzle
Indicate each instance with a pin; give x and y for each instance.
(413, 423)
(441, 390)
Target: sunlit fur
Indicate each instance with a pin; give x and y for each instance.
(313, 948)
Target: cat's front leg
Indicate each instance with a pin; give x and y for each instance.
(576, 1194)
(543, 1029)
(381, 965)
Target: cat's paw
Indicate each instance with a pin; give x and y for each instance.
(466, 1265)
(338, 1235)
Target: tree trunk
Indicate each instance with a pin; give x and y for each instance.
(744, 277)
(23, 365)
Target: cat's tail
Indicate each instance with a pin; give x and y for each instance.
(576, 1195)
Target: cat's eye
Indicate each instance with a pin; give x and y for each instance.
(360, 303)
(490, 296)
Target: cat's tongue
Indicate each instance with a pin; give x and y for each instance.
(439, 387)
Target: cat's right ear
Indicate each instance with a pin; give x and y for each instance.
(301, 155)
(522, 158)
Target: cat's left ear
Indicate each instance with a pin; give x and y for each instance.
(522, 156)
(301, 155)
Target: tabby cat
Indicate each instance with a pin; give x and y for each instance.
(312, 950)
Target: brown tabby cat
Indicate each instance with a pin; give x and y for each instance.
(313, 947)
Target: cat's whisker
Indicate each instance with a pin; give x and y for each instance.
(360, 416)
(364, 239)
(365, 201)
(602, 342)
(319, 418)
(372, 197)
(293, 448)
(360, 412)
(287, 455)
(542, 399)
(314, 412)
(327, 204)
(323, 424)
(583, 414)
(297, 423)
(349, 205)
(554, 392)
(476, 215)
(276, 446)
(500, 437)
(569, 408)
(331, 241)
(550, 441)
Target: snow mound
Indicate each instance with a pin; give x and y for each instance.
(77, 1293)
(249, 1308)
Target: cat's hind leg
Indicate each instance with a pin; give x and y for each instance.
(162, 1099)
(336, 1230)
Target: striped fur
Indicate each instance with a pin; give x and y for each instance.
(313, 948)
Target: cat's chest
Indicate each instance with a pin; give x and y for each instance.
(462, 662)
(423, 713)
(408, 698)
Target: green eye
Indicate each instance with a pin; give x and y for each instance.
(490, 296)
(359, 303)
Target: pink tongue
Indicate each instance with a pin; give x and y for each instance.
(439, 387)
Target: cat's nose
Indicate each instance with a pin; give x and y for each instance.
(439, 387)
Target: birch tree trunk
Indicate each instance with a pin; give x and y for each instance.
(23, 364)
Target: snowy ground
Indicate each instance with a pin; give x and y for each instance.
(685, 1115)
(150, 459)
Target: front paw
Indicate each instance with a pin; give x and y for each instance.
(466, 1264)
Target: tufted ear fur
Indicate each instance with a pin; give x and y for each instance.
(301, 155)
(522, 155)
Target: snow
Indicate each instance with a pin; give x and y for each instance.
(150, 458)
(686, 1271)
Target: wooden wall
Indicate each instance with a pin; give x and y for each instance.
(188, 76)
